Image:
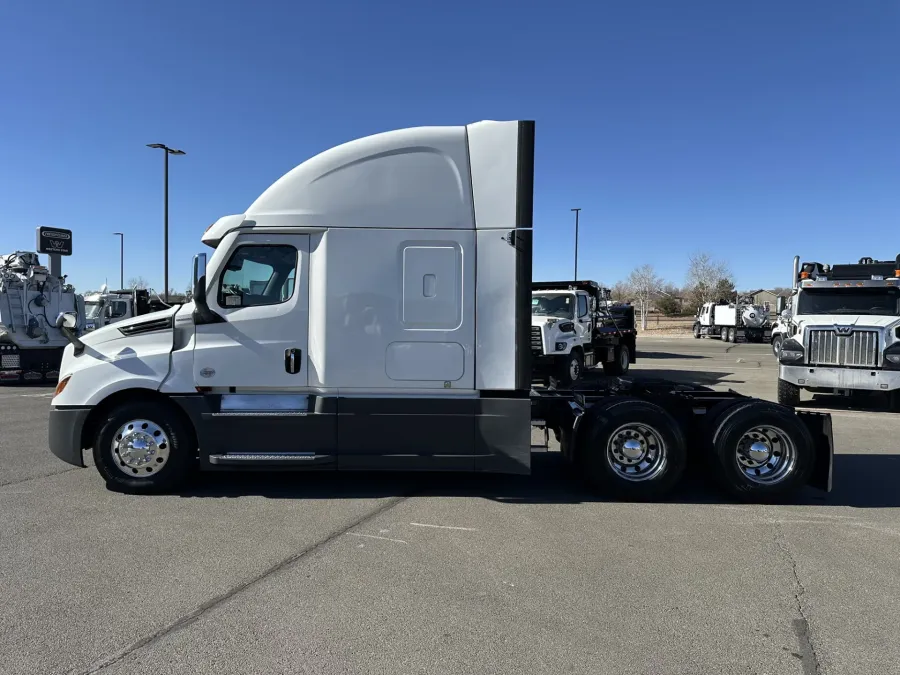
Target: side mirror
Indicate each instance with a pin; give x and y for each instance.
(107, 312)
(779, 304)
(786, 314)
(66, 320)
(202, 313)
(199, 268)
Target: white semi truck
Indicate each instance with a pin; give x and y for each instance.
(371, 310)
(573, 327)
(31, 345)
(841, 333)
(739, 321)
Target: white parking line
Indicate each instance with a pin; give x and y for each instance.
(445, 527)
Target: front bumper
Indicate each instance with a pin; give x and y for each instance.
(66, 425)
(841, 378)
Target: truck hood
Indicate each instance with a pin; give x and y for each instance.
(545, 320)
(861, 320)
(113, 332)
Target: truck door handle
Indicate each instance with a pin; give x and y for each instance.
(292, 360)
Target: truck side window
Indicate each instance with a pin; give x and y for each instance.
(582, 306)
(258, 275)
(118, 309)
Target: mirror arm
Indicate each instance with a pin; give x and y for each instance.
(202, 312)
(77, 344)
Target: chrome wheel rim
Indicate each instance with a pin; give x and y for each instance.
(766, 455)
(636, 452)
(623, 359)
(574, 369)
(776, 347)
(140, 448)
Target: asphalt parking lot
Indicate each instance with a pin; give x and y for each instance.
(316, 573)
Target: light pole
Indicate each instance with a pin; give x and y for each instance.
(166, 152)
(121, 258)
(577, 211)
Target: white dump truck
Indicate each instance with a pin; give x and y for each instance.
(841, 333)
(108, 307)
(31, 345)
(372, 310)
(739, 321)
(573, 327)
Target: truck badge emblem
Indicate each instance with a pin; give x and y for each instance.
(207, 372)
(843, 330)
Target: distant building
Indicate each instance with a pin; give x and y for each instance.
(767, 299)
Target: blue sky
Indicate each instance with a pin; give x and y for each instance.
(751, 130)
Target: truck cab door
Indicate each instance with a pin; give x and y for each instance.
(261, 289)
(583, 325)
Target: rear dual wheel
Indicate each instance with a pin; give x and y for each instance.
(633, 449)
(759, 451)
(622, 361)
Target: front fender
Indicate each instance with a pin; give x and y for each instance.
(133, 362)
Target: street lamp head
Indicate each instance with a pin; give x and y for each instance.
(574, 209)
(161, 146)
(121, 234)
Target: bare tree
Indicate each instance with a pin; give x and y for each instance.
(620, 292)
(669, 300)
(707, 278)
(138, 282)
(644, 283)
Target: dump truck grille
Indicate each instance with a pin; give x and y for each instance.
(859, 349)
(537, 342)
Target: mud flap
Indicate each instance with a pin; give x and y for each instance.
(819, 425)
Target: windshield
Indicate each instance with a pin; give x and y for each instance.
(874, 301)
(92, 310)
(561, 305)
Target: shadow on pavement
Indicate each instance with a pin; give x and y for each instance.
(670, 355)
(862, 403)
(707, 378)
(862, 481)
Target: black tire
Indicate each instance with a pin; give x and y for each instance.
(697, 330)
(779, 432)
(622, 363)
(788, 394)
(598, 450)
(776, 345)
(894, 401)
(571, 369)
(178, 446)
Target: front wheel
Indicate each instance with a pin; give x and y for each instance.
(788, 393)
(776, 345)
(572, 368)
(762, 452)
(622, 363)
(697, 331)
(143, 447)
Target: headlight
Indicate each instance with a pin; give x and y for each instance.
(791, 352)
(892, 357)
(567, 327)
